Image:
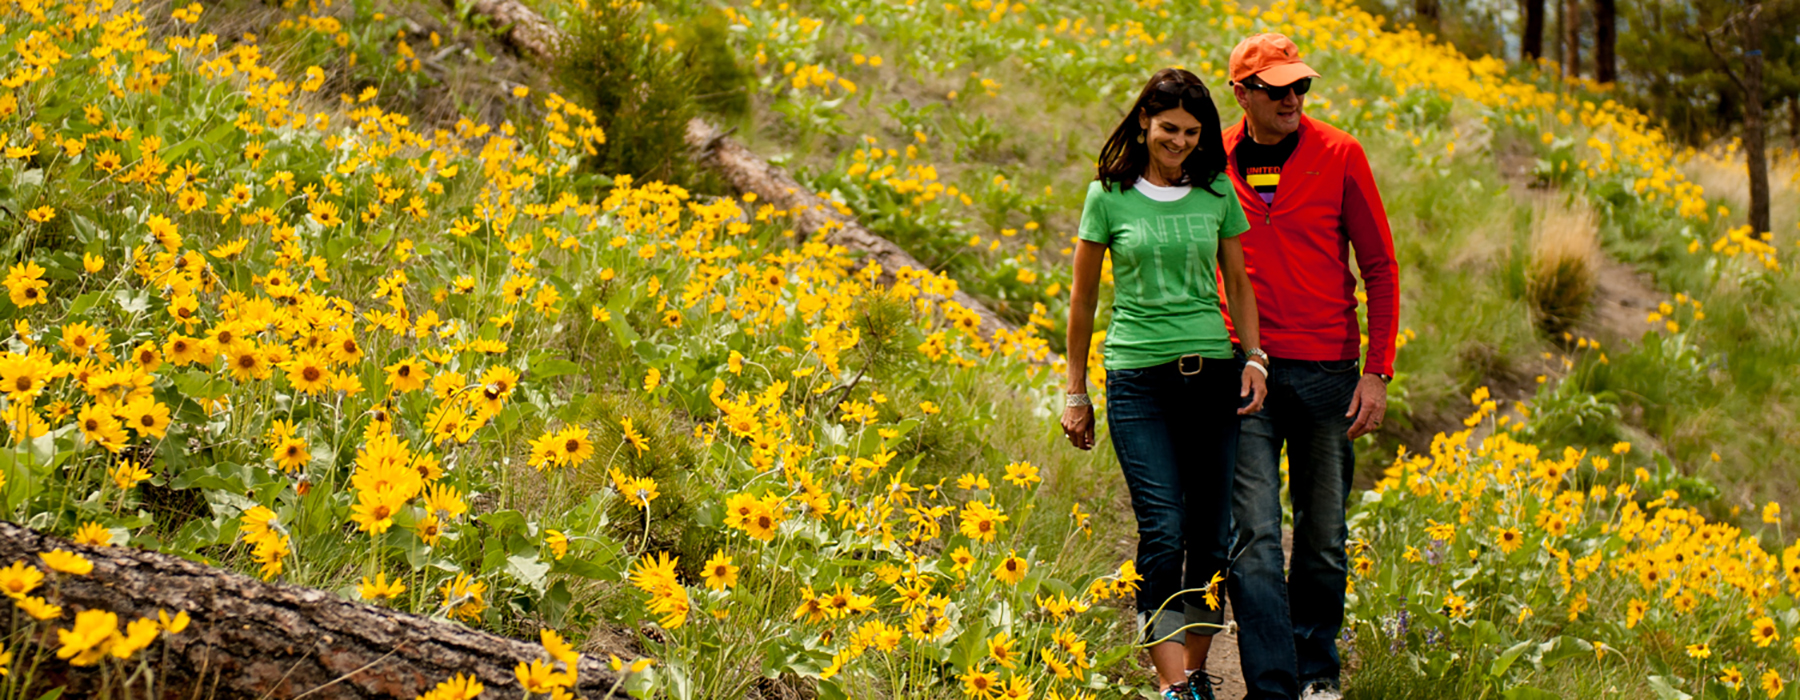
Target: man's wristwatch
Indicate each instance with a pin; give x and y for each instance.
(1258, 353)
(1385, 378)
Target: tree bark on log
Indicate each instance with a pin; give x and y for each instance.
(250, 639)
(533, 35)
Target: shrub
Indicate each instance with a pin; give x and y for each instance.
(642, 94)
(1561, 276)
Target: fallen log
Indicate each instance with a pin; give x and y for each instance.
(528, 32)
(748, 172)
(251, 639)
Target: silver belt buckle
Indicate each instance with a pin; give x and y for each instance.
(1183, 365)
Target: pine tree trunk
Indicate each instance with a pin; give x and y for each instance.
(1425, 15)
(1571, 26)
(1606, 39)
(250, 639)
(1531, 44)
(1755, 126)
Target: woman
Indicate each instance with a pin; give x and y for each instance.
(1164, 207)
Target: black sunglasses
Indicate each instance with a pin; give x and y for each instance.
(1277, 94)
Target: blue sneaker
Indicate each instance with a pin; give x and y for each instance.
(1200, 685)
(1190, 690)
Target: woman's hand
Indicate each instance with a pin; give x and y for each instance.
(1256, 386)
(1078, 426)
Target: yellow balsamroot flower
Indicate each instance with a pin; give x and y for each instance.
(39, 608)
(430, 528)
(407, 375)
(1699, 651)
(1022, 474)
(23, 377)
(291, 454)
(380, 587)
(558, 543)
(980, 684)
(20, 579)
(172, 625)
(25, 284)
(618, 665)
(1634, 612)
(559, 648)
(90, 639)
(638, 491)
(1772, 513)
(91, 534)
(463, 597)
(374, 510)
(308, 374)
(655, 575)
(632, 436)
(1000, 649)
(720, 573)
(1771, 683)
(445, 499)
(147, 416)
(981, 522)
(457, 687)
(67, 562)
(139, 634)
(1732, 677)
(1011, 570)
(1763, 631)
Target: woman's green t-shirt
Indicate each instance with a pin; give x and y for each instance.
(1165, 270)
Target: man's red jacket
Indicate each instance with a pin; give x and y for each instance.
(1297, 251)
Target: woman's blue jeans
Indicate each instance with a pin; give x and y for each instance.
(1289, 620)
(1176, 437)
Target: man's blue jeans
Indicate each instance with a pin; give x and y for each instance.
(1288, 625)
(1176, 438)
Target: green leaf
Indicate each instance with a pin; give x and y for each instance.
(528, 570)
(577, 566)
(505, 521)
(1505, 661)
(554, 367)
(201, 385)
(969, 647)
(1526, 692)
(1665, 691)
(830, 691)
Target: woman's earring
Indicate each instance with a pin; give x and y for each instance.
(1140, 138)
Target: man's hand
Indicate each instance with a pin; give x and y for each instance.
(1368, 406)
(1078, 426)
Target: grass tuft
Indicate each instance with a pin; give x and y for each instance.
(1562, 274)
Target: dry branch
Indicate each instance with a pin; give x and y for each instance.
(251, 639)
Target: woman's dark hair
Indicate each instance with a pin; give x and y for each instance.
(1126, 153)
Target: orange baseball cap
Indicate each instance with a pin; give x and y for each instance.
(1272, 57)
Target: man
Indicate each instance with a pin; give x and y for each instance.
(1310, 198)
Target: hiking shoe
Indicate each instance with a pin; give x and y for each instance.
(1201, 683)
(1321, 690)
(1193, 689)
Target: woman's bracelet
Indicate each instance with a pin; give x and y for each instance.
(1076, 400)
(1259, 367)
